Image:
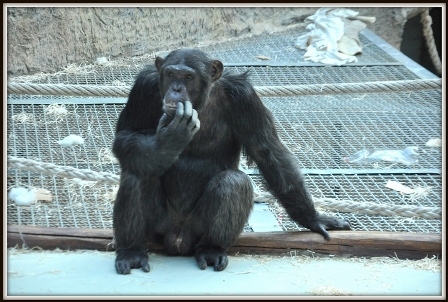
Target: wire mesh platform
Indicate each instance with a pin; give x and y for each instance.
(319, 130)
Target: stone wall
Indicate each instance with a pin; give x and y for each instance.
(47, 39)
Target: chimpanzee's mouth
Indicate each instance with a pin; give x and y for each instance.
(170, 110)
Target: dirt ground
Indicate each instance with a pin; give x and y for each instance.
(45, 39)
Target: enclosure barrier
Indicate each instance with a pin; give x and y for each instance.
(347, 206)
(361, 243)
(315, 89)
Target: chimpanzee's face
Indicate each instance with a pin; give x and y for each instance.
(186, 75)
(179, 83)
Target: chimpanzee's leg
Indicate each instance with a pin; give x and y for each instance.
(138, 210)
(221, 214)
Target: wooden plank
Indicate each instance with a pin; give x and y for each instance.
(71, 232)
(48, 242)
(355, 243)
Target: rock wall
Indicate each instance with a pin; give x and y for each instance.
(47, 39)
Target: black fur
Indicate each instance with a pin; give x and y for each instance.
(180, 182)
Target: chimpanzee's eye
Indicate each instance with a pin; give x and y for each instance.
(170, 74)
(189, 76)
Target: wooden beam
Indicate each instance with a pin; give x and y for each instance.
(354, 243)
(62, 238)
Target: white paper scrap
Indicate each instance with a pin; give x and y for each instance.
(395, 185)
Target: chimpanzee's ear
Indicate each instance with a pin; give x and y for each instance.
(159, 62)
(217, 69)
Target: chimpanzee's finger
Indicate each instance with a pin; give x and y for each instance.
(179, 114)
(194, 120)
(164, 121)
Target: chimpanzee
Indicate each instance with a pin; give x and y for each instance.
(178, 141)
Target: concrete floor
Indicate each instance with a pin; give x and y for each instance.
(92, 273)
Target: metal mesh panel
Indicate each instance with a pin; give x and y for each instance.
(369, 188)
(259, 75)
(34, 133)
(319, 130)
(278, 76)
(90, 206)
(279, 48)
(74, 204)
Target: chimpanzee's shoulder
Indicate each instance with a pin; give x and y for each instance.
(236, 83)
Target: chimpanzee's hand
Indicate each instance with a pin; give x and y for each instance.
(323, 223)
(180, 129)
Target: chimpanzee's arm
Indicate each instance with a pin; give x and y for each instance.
(255, 128)
(152, 152)
(147, 142)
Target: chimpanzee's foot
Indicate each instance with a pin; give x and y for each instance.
(215, 256)
(131, 258)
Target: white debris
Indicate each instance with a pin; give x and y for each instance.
(56, 109)
(395, 185)
(101, 60)
(434, 142)
(333, 36)
(71, 140)
(407, 156)
(43, 195)
(84, 183)
(22, 196)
